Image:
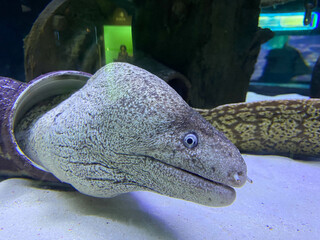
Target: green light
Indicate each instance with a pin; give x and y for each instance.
(114, 37)
(287, 21)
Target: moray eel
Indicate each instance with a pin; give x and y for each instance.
(127, 130)
(282, 127)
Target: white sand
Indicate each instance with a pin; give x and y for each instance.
(254, 97)
(282, 203)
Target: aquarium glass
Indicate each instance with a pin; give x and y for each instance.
(159, 120)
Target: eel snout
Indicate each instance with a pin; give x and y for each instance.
(237, 174)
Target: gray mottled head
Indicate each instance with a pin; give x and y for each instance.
(127, 130)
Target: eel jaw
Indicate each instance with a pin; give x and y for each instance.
(193, 187)
(135, 172)
(160, 177)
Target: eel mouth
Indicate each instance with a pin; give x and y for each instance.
(196, 188)
(201, 177)
(163, 178)
(236, 180)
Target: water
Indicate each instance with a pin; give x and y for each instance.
(207, 51)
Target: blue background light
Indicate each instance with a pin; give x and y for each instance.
(287, 21)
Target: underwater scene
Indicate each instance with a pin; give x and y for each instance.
(173, 119)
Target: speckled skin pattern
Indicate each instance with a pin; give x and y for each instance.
(124, 131)
(283, 127)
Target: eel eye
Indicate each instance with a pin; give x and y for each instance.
(190, 140)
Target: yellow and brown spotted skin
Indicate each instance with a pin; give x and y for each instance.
(285, 127)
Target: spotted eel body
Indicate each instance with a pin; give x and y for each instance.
(127, 130)
(282, 127)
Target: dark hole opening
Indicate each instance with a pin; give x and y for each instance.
(180, 87)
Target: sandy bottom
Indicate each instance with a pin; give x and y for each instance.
(283, 202)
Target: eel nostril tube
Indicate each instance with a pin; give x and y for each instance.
(236, 177)
(249, 180)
